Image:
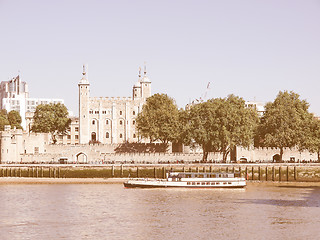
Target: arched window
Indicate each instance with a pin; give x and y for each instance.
(134, 113)
(93, 122)
(134, 135)
(121, 122)
(107, 122)
(120, 135)
(93, 136)
(133, 122)
(120, 112)
(107, 135)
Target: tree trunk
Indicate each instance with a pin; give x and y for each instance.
(205, 153)
(205, 156)
(281, 153)
(225, 155)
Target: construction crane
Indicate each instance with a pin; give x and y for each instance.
(206, 92)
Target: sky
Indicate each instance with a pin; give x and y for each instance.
(252, 49)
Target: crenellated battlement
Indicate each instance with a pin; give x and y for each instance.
(110, 99)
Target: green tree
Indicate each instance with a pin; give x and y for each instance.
(3, 121)
(311, 139)
(51, 118)
(159, 119)
(219, 125)
(285, 122)
(14, 119)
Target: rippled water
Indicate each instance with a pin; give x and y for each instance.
(108, 211)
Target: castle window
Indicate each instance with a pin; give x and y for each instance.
(107, 134)
(90, 111)
(93, 122)
(107, 122)
(76, 137)
(134, 135)
(96, 112)
(104, 112)
(145, 84)
(121, 122)
(36, 150)
(135, 95)
(120, 112)
(69, 137)
(76, 129)
(133, 122)
(133, 113)
(120, 135)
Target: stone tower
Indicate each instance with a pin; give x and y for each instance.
(84, 95)
(145, 85)
(137, 88)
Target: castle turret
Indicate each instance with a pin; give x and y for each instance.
(84, 95)
(145, 85)
(136, 94)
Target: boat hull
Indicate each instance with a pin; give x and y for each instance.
(167, 184)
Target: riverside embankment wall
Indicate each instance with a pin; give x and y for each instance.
(252, 172)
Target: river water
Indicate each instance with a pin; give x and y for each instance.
(109, 211)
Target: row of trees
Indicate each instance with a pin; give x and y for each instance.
(220, 124)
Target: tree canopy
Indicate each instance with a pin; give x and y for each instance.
(51, 118)
(311, 140)
(12, 118)
(285, 122)
(220, 124)
(159, 119)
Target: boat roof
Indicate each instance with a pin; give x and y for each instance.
(202, 175)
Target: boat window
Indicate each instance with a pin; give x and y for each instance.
(193, 183)
(229, 182)
(203, 183)
(213, 183)
(198, 183)
(224, 183)
(188, 183)
(208, 183)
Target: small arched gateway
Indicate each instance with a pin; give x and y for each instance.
(81, 157)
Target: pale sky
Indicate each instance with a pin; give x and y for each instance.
(252, 49)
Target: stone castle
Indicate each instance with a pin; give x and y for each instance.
(103, 125)
(110, 120)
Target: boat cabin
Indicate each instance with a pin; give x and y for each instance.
(201, 175)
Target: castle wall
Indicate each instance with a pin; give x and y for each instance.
(110, 120)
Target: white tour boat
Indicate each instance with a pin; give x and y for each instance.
(190, 180)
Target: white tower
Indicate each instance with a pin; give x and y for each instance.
(136, 94)
(84, 101)
(145, 85)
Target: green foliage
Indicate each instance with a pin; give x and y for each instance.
(51, 118)
(3, 121)
(312, 138)
(285, 122)
(12, 118)
(159, 119)
(219, 125)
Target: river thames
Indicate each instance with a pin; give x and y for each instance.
(109, 211)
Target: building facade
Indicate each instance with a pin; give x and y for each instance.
(110, 120)
(14, 95)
